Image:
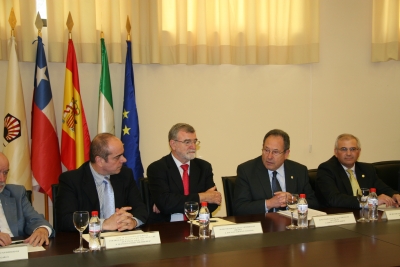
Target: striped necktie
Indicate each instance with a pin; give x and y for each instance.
(108, 199)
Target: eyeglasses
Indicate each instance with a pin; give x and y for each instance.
(188, 142)
(4, 173)
(345, 149)
(273, 152)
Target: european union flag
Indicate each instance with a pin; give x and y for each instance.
(130, 121)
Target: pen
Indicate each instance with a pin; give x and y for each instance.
(17, 242)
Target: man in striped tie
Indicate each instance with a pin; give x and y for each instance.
(180, 177)
(339, 178)
(102, 184)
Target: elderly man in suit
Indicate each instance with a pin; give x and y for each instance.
(180, 177)
(263, 183)
(102, 184)
(17, 216)
(339, 178)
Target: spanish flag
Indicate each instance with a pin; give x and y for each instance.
(75, 138)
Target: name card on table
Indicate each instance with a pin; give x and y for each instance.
(121, 241)
(12, 253)
(237, 229)
(333, 219)
(391, 214)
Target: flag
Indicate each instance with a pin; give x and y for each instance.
(130, 121)
(16, 139)
(75, 139)
(105, 123)
(45, 153)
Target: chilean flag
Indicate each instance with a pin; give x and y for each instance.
(45, 154)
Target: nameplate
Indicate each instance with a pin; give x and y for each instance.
(141, 239)
(333, 219)
(391, 214)
(237, 229)
(12, 253)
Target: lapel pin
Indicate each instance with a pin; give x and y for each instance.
(291, 177)
(363, 176)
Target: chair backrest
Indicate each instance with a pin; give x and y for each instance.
(54, 189)
(229, 189)
(29, 195)
(145, 191)
(389, 172)
(312, 175)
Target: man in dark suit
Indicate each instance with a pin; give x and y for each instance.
(337, 187)
(167, 178)
(264, 182)
(88, 188)
(20, 218)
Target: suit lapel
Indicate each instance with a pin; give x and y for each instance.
(262, 176)
(175, 175)
(194, 176)
(290, 177)
(10, 211)
(89, 187)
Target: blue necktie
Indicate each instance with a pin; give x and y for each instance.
(276, 187)
(108, 199)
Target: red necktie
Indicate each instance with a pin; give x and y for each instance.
(185, 179)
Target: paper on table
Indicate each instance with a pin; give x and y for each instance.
(30, 247)
(383, 207)
(104, 234)
(214, 222)
(311, 213)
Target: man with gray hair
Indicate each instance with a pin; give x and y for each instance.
(339, 178)
(180, 177)
(264, 182)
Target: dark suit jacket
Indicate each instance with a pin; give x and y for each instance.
(166, 187)
(333, 183)
(77, 191)
(253, 186)
(21, 217)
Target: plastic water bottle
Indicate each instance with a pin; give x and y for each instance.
(94, 232)
(372, 205)
(302, 211)
(204, 221)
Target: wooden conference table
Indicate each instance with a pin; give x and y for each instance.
(360, 244)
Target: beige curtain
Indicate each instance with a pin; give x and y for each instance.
(385, 30)
(189, 31)
(25, 13)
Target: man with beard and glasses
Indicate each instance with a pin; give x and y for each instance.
(180, 177)
(339, 178)
(17, 216)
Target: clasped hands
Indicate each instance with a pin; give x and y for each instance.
(121, 220)
(389, 201)
(278, 200)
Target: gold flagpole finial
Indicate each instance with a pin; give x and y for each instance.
(102, 35)
(13, 21)
(39, 24)
(70, 25)
(128, 28)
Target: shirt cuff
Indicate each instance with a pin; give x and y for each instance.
(138, 222)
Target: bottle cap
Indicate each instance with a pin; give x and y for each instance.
(372, 190)
(95, 213)
(302, 195)
(204, 204)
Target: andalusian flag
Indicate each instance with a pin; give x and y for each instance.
(106, 112)
(75, 138)
(16, 139)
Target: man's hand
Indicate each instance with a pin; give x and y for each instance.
(5, 239)
(155, 209)
(384, 199)
(211, 196)
(396, 198)
(278, 200)
(121, 220)
(40, 236)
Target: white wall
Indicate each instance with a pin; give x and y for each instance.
(232, 107)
